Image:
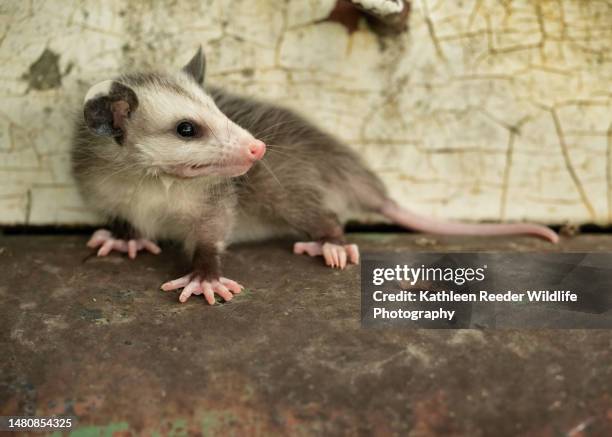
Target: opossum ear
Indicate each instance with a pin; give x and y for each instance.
(196, 68)
(107, 106)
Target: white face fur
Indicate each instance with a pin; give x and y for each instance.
(177, 129)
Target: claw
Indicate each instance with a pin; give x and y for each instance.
(177, 283)
(103, 239)
(222, 291)
(98, 237)
(233, 286)
(353, 252)
(335, 255)
(132, 249)
(192, 288)
(209, 293)
(342, 257)
(193, 285)
(150, 246)
(108, 246)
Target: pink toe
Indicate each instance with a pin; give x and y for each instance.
(98, 237)
(336, 252)
(190, 289)
(94, 242)
(332, 249)
(342, 257)
(232, 285)
(151, 247)
(353, 253)
(176, 283)
(222, 291)
(106, 248)
(132, 249)
(209, 293)
(298, 248)
(327, 255)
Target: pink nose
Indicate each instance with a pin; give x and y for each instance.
(257, 149)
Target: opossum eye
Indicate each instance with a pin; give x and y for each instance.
(186, 129)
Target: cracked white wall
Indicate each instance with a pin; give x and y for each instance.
(484, 110)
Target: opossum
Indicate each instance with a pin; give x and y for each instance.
(163, 156)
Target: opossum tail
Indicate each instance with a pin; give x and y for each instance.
(408, 219)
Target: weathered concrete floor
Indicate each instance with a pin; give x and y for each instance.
(96, 338)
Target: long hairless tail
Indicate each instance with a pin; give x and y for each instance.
(407, 219)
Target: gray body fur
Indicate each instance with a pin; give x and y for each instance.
(307, 185)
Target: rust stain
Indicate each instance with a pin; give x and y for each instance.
(431, 417)
(348, 14)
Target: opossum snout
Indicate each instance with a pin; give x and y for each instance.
(256, 150)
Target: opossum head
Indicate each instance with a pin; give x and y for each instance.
(167, 123)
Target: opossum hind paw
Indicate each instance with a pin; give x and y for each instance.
(192, 284)
(335, 255)
(104, 241)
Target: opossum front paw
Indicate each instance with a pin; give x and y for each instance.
(103, 239)
(193, 284)
(335, 255)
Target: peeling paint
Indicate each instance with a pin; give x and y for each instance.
(483, 110)
(44, 73)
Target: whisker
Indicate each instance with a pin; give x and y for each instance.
(212, 132)
(271, 172)
(283, 123)
(278, 146)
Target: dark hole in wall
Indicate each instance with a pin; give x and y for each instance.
(351, 227)
(348, 14)
(46, 230)
(564, 230)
